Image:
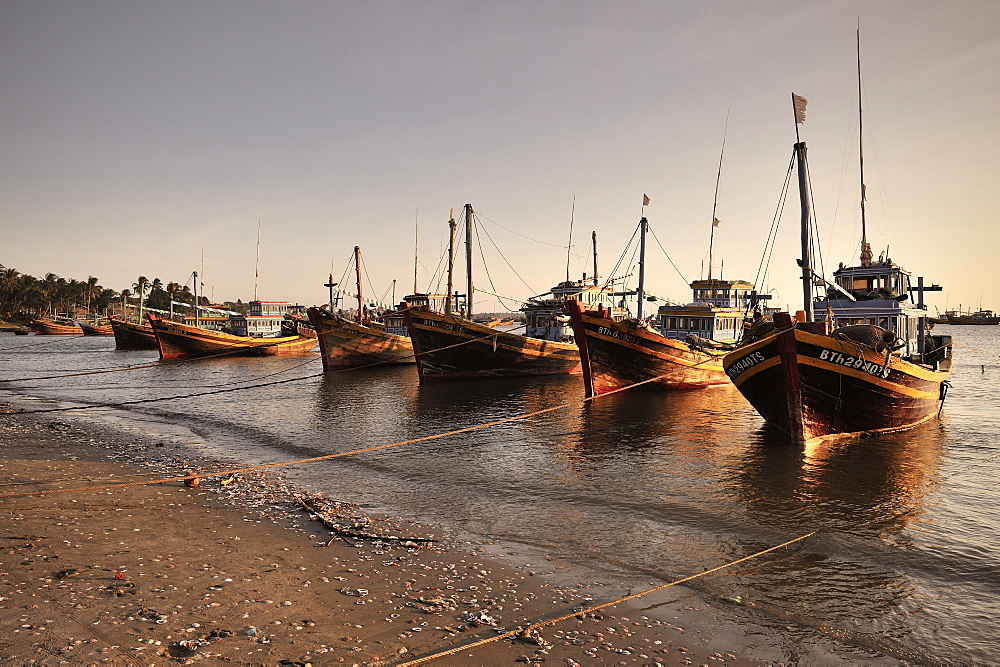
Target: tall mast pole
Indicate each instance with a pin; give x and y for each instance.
(715, 199)
(799, 111)
(866, 253)
(256, 266)
(593, 238)
(416, 237)
(195, 282)
(800, 157)
(640, 295)
(569, 246)
(468, 260)
(448, 305)
(357, 271)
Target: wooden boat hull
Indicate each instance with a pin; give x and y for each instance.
(618, 354)
(815, 387)
(178, 341)
(133, 336)
(347, 344)
(448, 347)
(96, 329)
(49, 328)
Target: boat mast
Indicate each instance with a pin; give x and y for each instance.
(468, 261)
(866, 251)
(416, 238)
(569, 246)
(640, 295)
(256, 266)
(593, 238)
(799, 108)
(142, 294)
(195, 281)
(715, 199)
(448, 306)
(357, 271)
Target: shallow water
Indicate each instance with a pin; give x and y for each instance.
(640, 487)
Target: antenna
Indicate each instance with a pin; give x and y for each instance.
(416, 230)
(569, 246)
(715, 200)
(256, 266)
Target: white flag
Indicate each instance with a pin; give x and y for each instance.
(799, 103)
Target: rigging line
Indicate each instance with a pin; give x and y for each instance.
(772, 236)
(486, 231)
(58, 339)
(814, 222)
(535, 626)
(667, 256)
(621, 258)
(557, 245)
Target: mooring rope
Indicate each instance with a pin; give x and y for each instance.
(535, 626)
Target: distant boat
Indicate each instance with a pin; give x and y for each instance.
(868, 366)
(978, 317)
(450, 345)
(176, 341)
(22, 331)
(364, 341)
(94, 329)
(51, 327)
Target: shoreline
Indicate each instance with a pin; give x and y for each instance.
(234, 570)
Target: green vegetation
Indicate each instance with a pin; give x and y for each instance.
(23, 297)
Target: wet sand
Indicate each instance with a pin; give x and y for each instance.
(233, 570)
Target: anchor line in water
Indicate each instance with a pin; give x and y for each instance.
(526, 630)
(326, 457)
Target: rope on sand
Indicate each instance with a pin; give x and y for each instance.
(527, 630)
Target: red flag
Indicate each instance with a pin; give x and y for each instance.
(645, 200)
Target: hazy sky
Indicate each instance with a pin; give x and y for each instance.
(136, 136)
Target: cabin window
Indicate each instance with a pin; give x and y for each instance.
(883, 322)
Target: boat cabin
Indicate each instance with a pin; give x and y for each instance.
(263, 319)
(880, 293)
(882, 279)
(394, 322)
(716, 314)
(545, 319)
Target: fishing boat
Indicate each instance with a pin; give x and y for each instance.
(132, 335)
(363, 340)
(95, 329)
(977, 317)
(868, 366)
(21, 331)
(55, 327)
(681, 347)
(449, 345)
(176, 341)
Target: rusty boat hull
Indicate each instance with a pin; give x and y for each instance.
(178, 341)
(815, 387)
(347, 344)
(96, 329)
(448, 347)
(44, 327)
(133, 336)
(619, 354)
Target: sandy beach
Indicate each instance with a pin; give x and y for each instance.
(234, 570)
